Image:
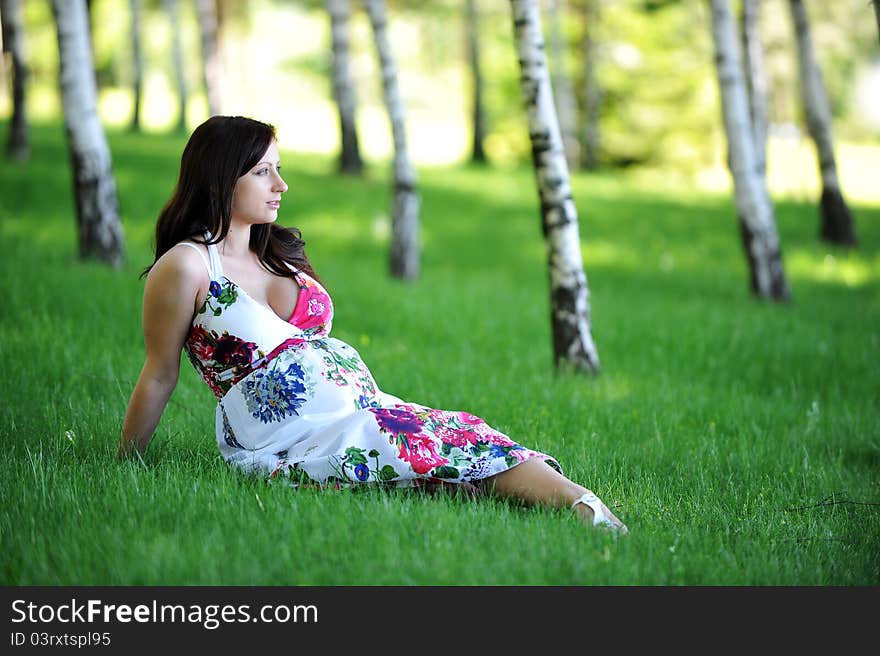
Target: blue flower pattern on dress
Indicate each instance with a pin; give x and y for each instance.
(275, 394)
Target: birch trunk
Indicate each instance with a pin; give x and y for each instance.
(212, 64)
(876, 4)
(97, 207)
(405, 221)
(756, 81)
(757, 222)
(592, 92)
(837, 222)
(573, 345)
(563, 91)
(343, 87)
(172, 9)
(478, 154)
(137, 63)
(18, 144)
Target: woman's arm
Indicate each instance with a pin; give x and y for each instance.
(174, 289)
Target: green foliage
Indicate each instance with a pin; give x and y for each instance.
(654, 65)
(654, 69)
(718, 426)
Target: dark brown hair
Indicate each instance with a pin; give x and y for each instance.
(218, 153)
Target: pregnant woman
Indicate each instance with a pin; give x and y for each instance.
(237, 293)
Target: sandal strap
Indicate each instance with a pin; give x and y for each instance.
(592, 501)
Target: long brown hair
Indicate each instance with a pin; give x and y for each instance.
(218, 153)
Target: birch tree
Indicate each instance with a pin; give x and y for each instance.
(172, 9)
(18, 143)
(405, 221)
(343, 87)
(212, 63)
(472, 23)
(563, 90)
(756, 80)
(756, 214)
(837, 222)
(876, 4)
(137, 63)
(97, 206)
(592, 92)
(573, 345)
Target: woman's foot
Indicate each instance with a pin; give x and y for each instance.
(593, 512)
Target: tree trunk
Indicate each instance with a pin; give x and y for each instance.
(592, 92)
(18, 144)
(137, 63)
(478, 154)
(97, 207)
(405, 222)
(172, 8)
(837, 222)
(212, 64)
(343, 87)
(757, 222)
(563, 91)
(756, 81)
(876, 4)
(573, 345)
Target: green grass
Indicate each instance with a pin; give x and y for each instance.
(714, 418)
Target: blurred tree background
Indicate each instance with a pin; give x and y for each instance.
(659, 109)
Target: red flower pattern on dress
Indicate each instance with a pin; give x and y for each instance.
(313, 307)
(421, 453)
(233, 351)
(468, 418)
(199, 343)
(460, 437)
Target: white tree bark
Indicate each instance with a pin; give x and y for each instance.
(592, 92)
(18, 143)
(343, 87)
(478, 115)
(756, 81)
(172, 9)
(212, 63)
(405, 222)
(563, 90)
(837, 222)
(757, 221)
(137, 62)
(97, 207)
(573, 345)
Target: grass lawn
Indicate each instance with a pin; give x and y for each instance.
(739, 440)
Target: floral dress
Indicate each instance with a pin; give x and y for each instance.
(294, 402)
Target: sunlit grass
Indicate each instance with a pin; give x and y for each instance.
(841, 268)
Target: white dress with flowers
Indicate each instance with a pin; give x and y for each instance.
(295, 402)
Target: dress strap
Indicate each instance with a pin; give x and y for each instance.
(201, 254)
(216, 266)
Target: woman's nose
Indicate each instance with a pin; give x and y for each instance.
(280, 184)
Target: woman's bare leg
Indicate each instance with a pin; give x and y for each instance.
(537, 483)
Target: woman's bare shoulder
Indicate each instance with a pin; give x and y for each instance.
(182, 267)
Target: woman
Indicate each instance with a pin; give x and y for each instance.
(238, 294)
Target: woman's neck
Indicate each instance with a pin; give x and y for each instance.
(237, 242)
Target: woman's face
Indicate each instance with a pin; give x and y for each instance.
(257, 194)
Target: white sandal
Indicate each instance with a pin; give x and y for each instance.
(599, 517)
